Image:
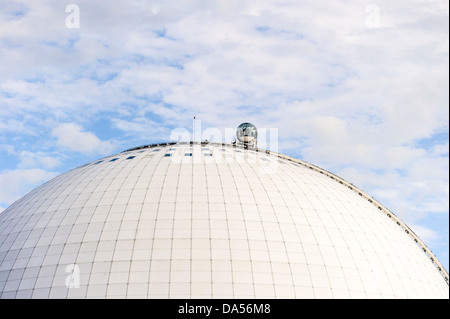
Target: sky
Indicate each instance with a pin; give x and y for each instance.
(359, 88)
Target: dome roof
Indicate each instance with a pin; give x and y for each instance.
(209, 221)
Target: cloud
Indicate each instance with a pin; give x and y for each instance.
(40, 159)
(359, 101)
(72, 137)
(14, 182)
(426, 234)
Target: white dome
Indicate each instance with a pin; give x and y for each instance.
(208, 221)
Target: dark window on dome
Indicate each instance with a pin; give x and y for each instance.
(168, 155)
(131, 157)
(188, 154)
(156, 150)
(114, 159)
(98, 162)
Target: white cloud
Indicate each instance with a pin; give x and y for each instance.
(353, 99)
(40, 159)
(426, 234)
(72, 136)
(14, 183)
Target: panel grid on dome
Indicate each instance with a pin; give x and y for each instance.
(236, 224)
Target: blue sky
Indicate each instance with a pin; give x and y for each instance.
(359, 88)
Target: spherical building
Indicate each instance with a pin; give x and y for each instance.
(247, 134)
(209, 221)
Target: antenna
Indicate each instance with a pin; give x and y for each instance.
(193, 137)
